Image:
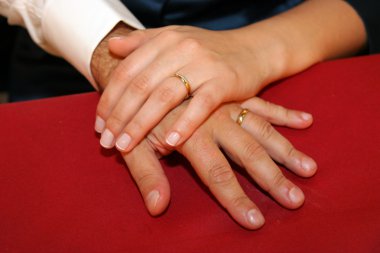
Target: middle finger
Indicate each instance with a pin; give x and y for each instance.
(215, 171)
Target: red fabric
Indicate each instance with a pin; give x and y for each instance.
(60, 192)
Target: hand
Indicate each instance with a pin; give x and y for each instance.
(143, 88)
(103, 62)
(220, 66)
(251, 146)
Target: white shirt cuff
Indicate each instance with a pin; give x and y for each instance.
(73, 29)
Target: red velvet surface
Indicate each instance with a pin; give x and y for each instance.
(60, 192)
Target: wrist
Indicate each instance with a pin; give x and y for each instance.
(267, 52)
(103, 62)
(312, 32)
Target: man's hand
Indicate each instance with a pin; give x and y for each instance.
(103, 62)
(251, 145)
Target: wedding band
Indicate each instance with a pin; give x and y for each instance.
(186, 83)
(241, 116)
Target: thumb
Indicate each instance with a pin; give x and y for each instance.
(123, 46)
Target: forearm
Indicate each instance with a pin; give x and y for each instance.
(314, 31)
(368, 10)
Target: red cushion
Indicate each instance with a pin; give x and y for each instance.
(60, 192)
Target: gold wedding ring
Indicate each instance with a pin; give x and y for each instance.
(241, 116)
(186, 83)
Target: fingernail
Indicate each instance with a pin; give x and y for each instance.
(153, 198)
(308, 164)
(107, 139)
(255, 218)
(116, 38)
(123, 141)
(99, 124)
(173, 138)
(306, 116)
(296, 195)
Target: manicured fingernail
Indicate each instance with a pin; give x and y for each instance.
(99, 124)
(173, 138)
(107, 139)
(308, 164)
(255, 218)
(153, 198)
(123, 142)
(296, 195)
(116, 38)
(306, 116)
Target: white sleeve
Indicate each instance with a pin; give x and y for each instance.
(71, 29)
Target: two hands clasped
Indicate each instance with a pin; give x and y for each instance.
(143, 113)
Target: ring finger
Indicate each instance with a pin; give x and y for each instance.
(277, 146)
(248, 153)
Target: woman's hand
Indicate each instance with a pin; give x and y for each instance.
(215, 67)
(251, 145)
(212, 67)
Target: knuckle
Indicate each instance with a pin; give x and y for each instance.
(189, 123)
(266, 130)
(231, 76)
(190, 44)
(220, 174)
(252, 151)
(121, 73)
(291, 151)
(169, 35)
(199, 142)
(207, 101)
(279, 112)
(221, 115)
(137, 125)
(115, 122)
(240, 200)
(268, 104)
(166, 95)
(282, 111)
(270, 109)
(276, 182)
(145, 179)
(288, 155)
(140, 85)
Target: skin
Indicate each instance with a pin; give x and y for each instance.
(255, 144)
(221, 66)
(137, 87)
(251, 145)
